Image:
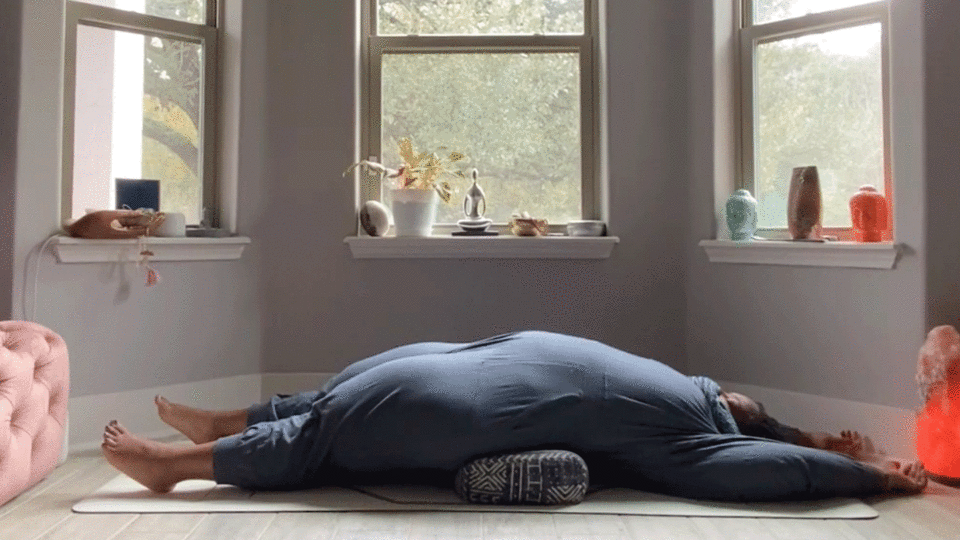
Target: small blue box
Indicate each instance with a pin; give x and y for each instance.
(137, 194)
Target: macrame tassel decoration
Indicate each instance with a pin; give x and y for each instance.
(153, 277)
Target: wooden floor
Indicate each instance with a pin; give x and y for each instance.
(44, 512)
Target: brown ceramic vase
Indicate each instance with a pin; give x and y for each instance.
(805, 205)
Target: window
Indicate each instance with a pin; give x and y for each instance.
(814, 92)
(139, 103)
(512, 84)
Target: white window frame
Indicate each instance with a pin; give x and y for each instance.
(751, 35)
(206, 35)
(373, 47)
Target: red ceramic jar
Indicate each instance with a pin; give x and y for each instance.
(870, 215)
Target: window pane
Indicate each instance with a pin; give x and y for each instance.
(765, 11)
(819, 102)
(516, 117)
(425, 17)
(137, 115)
(193, 11)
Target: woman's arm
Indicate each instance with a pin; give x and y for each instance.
(849, 443)
(900, 476)
(737, 467)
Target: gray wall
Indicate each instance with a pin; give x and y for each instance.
(328, 309)
(204, 320)
(942, 147)
(299, 302)
(11, 23)
(844, 333)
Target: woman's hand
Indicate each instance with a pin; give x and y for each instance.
(859, 443)
(849, 443)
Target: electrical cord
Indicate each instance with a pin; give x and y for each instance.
(153, 277)
(36, 278)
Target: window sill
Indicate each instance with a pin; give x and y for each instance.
(787, 253)
(493, 247)
(78, 250)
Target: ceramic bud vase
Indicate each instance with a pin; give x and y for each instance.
(414, 211)
(742, 216)
(869, 214)
(805, 204)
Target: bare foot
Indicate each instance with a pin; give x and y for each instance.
(145, 461)
(198, 425)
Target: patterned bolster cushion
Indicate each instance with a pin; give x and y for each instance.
(34, 386)
(547, 477)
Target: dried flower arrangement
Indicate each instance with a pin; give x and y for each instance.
(424, 170)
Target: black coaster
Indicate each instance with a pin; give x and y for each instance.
(475, 233)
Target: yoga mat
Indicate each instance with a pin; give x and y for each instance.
(123, 495)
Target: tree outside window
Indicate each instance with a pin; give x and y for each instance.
(139, 102)
(816, 97)
(502, 81)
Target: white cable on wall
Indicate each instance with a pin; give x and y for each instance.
(36, 277)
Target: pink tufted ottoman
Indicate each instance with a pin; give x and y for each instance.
(34, 386)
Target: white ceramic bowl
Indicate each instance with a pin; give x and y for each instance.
(586, 228)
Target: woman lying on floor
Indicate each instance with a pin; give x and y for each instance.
(436, 406)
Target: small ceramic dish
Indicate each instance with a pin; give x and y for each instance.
(586, 228)
(529, 227)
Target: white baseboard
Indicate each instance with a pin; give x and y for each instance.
(135, 409)
(891, 428)
(291, 383)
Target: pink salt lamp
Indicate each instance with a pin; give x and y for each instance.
(938, 424)
(868, 211)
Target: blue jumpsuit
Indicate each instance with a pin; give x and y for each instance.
(435, 406)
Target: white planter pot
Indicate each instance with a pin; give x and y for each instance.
(414, 211)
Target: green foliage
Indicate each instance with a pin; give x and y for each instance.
(775, 10)
(480, 16)
(173, 72)
(183, 10)
(516, 116)
(817, 105)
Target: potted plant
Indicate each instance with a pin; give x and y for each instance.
(416, 186)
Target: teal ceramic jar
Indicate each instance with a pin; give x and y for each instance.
(742, 216)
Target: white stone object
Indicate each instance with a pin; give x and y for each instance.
(374, 218)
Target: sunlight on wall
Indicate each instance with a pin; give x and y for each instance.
(127, 151)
